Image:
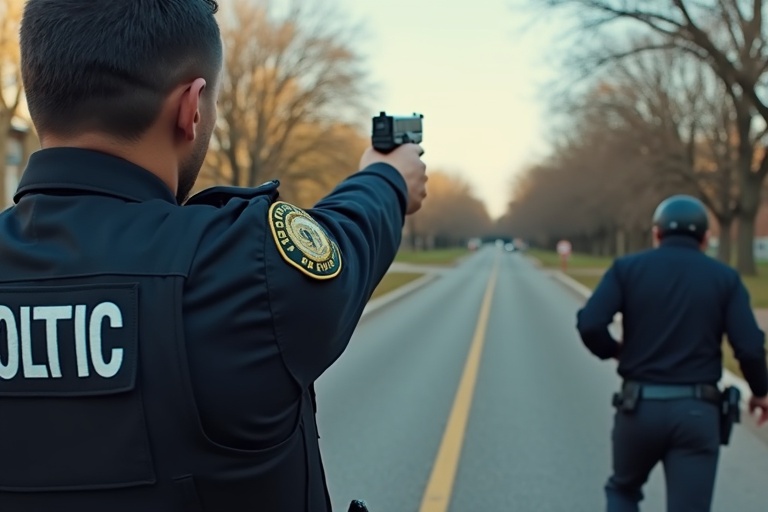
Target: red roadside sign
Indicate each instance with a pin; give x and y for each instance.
(564, 250)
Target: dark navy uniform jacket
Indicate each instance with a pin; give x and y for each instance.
(161, 357)
(676, 304)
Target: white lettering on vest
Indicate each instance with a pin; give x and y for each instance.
(31, 370)
(87, 335)
(51, 315)
(111, 311)
(81, 343)
(9, 370)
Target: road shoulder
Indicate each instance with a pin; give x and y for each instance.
(430, 274)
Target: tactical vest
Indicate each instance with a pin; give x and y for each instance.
(96, 404)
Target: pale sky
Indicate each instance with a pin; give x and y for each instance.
(471, 72)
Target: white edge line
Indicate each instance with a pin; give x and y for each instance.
(398, 293)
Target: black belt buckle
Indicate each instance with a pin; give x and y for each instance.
(626, 400)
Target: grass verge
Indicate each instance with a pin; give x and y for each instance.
(758, 287)
(392, 281)
(576, 261)
(433, 257)
(729, 361)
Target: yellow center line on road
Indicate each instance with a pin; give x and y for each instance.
(437, 496)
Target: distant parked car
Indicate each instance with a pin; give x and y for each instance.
(509, 247)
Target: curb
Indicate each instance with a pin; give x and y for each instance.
(728, 379)
(398, 293)
(572, 283)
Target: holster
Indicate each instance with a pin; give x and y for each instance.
(626, 400)
(730, 412)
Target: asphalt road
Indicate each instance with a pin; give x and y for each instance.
(537, 437)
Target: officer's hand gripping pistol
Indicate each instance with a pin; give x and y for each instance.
(389, 132)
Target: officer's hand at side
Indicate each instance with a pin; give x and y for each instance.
(761, 403)
(407, 160)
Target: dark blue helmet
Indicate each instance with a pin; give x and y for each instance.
(681, 215)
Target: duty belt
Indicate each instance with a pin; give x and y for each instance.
(728, 401)
(706, 392)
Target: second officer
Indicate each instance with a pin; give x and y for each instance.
(677, 303)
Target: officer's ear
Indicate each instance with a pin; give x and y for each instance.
(705, 241)
(188, 117)
(656, 236)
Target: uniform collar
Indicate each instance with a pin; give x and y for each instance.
(90, 171)
(680, 241)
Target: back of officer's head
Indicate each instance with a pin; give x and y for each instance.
(681, 215)
(107, 66)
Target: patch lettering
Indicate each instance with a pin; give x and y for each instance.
(303, 243)
(68, 340)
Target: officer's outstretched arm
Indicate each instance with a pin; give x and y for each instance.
(595, 317)
(746, 338)
(323, 265)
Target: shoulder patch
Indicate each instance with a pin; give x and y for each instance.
(302, 242)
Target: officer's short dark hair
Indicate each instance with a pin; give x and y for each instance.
(108, 65)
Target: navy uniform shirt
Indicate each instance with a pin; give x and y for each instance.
(261, 320)
(676, 303)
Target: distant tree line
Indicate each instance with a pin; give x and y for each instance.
(661, 97)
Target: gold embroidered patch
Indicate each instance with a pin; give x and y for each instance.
(303, 242)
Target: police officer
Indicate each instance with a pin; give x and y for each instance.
(154, 356)
(676, 303)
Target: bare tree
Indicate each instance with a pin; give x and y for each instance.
(728, 35)
(292, 82)
(684, 123)
(598, 188)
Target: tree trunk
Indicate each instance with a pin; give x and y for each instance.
(594, 245)
(621, 243)
(725, 242)
(644, 239)
(750, 204)
(609, 243)
(745, 250)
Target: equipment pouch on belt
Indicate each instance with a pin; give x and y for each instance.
(626, 399)
(730, 412)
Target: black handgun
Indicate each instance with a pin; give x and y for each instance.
(730, 412)
(389, 132)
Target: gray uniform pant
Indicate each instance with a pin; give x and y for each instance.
(682, 434)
